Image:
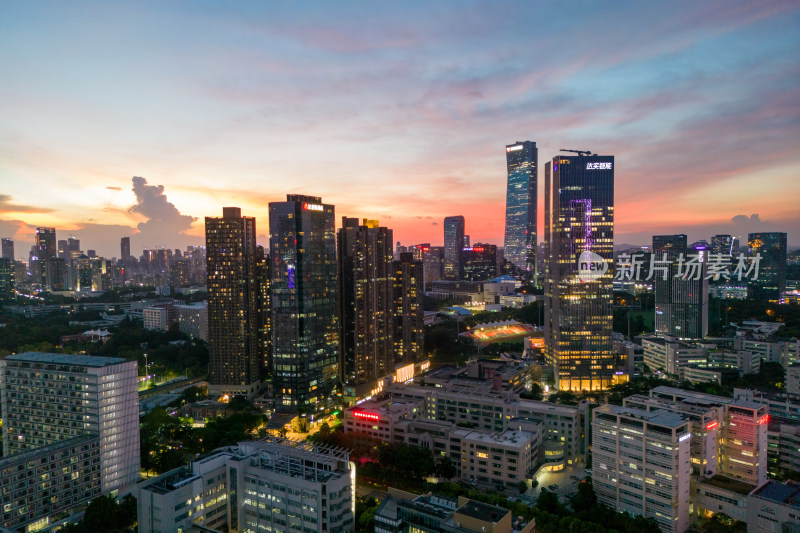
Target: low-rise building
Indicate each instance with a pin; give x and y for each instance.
(270, 485)
(193, 320)
(774, 508)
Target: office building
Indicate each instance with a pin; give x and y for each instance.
(453, 246)
(479, 262)
(156, 318)
(579, 228)
(519, 245)
(774, 508)
(7, 248)
(681, 305)
(725, 245)
(409, 326)
(125, 249)
(8, 270)
(193, 320)
(70, 433)
(366, 306)
(433, 263)
(46, 247)
(234, 358)
(672, 356)
(270, 485)
(305, 329)
(640, 464)
(771, 281)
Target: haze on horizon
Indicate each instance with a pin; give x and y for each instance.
(389, 111)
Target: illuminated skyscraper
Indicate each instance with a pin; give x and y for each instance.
(305, 329)
(453, 245)
(8, 249)
(771, 281)
(366, 311)
(522, 162)
(724, 245)
(409, 291)
(681, 305)
(234, 357)
(479, 262)
(579, 221)
(46, 243)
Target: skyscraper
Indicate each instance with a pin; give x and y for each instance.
(522, 162)
(479, 262)
(366, 312)
(7, 277)
(681, 305)
(771, 281)
(409, 291)
(8, 249)
(234, 357)
(453, 245)
(46, 243)
(305, 330)
(125, 249)
(579, 228)
(724, 245)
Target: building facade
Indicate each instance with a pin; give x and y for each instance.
(771, 281)
(305, 329)
(519, 244)
(479, 262)
(579, 232)
(234, 356)
(366, 306)
(409, 325)
(453, 246)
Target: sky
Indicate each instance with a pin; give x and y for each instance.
(141, 118)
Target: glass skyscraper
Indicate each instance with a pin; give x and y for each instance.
(771, 281)
(305, 330)
(681, 305)
(579, 223)
(522, 162)
(453, 246)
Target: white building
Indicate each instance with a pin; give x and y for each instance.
(774, 508)
(641, 464)
(58, 401)
(270, 485)
(193, 320)
(156, 318)
(671, 356)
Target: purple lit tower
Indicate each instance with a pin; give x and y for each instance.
(579, 219)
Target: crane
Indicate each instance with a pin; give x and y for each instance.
(579, 152)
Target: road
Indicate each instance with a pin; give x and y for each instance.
(161, 389)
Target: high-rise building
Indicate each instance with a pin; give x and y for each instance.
(234, 358)
(771, 281)
(46, 243)
(433, 262)
(519, 245)
(7, 279)
(54, 274)
(681, 305)
(8, 248)
(409, 291)
(366, 311)
(125, 248)
(305, 330)
(640, 464)
(453, 245)
(724, 245)
(479, 262)
(264, 308)
(50, 399)
(579, 228)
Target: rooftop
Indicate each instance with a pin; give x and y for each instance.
(482, 511)
(65, 359)
(657, 417)
(786, 493)
(726, 483)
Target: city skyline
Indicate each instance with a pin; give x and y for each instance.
(700, 110)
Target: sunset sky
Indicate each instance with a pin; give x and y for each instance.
(397, 111)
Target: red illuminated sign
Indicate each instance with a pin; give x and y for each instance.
(477, 249)
(366, 416)
(312, 207)
(712, 425)
(763, 420)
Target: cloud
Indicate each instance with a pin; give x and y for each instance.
(114, 188)
(165, 224)
(7, 207)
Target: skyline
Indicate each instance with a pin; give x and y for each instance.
(217, 104)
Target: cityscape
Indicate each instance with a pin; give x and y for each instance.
(359, 268)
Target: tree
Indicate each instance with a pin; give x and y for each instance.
(522, 486)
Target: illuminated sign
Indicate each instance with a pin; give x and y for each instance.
(312, 207)
(366, 416)
(514, 148)
(685, 437)
(404, 373)
(763, 420)
(712, 425)
(601, 165)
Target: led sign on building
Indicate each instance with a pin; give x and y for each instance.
(601, 165)
(312, 207)
(513, 148)
(366, 416)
